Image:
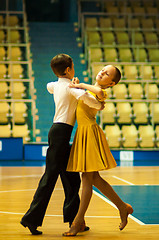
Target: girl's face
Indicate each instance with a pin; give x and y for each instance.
(105, 77)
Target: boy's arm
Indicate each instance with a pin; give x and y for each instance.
(92, 88)
(50, 87)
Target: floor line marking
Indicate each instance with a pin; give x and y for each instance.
(112, 204)
(21, 176)
(24, 190)
(121, 179)
(51, 215)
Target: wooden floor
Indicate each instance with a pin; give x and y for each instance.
(18, 184)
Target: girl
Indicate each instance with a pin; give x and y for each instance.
(90, 152)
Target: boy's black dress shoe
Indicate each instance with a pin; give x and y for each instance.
(33, 229)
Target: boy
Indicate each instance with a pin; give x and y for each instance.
(58, 152)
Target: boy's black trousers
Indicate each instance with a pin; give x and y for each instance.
(56, 163)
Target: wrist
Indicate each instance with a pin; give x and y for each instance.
(82, 86)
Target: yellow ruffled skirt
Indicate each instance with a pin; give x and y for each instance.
(90, 151)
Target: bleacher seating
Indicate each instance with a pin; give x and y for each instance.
(16, 86)
(129, 39)
(130, 136)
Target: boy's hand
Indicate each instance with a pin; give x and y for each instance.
(75, 80)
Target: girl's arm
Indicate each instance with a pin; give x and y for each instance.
(92, 88)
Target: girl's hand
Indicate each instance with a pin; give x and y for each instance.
(75, 85)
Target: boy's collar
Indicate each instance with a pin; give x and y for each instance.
(64, 79)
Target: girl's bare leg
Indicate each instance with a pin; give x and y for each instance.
(124, 208)
(87, 180)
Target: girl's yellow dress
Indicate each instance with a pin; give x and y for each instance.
(90, 151)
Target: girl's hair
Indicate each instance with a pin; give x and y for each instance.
(117, 75)
(59, 63)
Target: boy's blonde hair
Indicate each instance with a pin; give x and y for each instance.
(59, 63)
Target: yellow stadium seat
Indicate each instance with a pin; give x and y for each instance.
(146, 72)
(126, 9)
(147, 23)
(14, 54)
(154, 111)
(130, 135)
(125, 55)
(134, 3)
(152, 10)
(108, 4)
(113, 135)
(146, 136)
(139, 10)
(140, 55)
(157, 135)
(157, 21)
(137, 38)
(122, 38)
(156, 71)
(153, 54)
(133, 23)
(5, 131)
(3, 71)
(119, 22)
(19, 112)
(17, 90)
(109, 113)
(2, 36)
(108, 37)
(148, 4)
(105, 22)
(12, 21)
(130, 72)
(15, 71)
(2, 54)
(135, 90)
(151, 91)
(21, 131)
(140, 112)
(95, 55)
(93, 38)
(3, 89)
(112, 10)
(110, 54)
(151, 38)
(1, 20)
(91, 22)
(124, 112)
(4, 112)
(120, 91)
(14, 36)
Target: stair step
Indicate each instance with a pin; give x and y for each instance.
(47, 40)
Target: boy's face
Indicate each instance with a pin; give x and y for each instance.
(105, 77)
